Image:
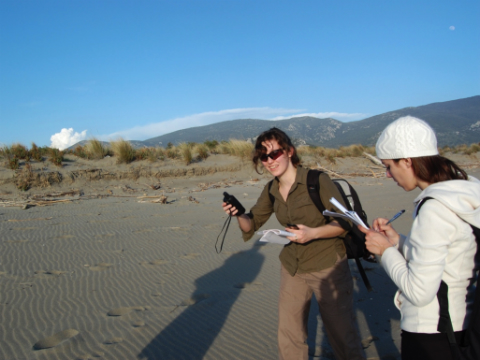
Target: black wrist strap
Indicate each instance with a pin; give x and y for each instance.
(227, 224)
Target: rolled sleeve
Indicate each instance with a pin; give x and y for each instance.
(259, 213)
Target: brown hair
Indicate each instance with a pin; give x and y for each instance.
(282, 139)
(433, 169)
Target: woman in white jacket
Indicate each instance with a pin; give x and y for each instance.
(441, 244)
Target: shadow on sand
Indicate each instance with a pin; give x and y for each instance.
(375, 314)
(192, 333)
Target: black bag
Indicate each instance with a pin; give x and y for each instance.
(469, 347)
(354, 239)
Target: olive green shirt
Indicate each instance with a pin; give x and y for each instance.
(299, 208)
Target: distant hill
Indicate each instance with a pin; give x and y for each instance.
(455, 122)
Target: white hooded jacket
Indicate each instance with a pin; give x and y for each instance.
(440, 246)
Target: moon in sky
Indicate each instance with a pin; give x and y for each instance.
(452, 27)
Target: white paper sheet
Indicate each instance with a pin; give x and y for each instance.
(347, 214)
(275, 236)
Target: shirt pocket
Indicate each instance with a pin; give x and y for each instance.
(302, 201)
(303, 211)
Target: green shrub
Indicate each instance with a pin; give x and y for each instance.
(211, 144)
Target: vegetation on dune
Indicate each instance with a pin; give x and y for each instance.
(185, 150)
(17, 156)
(56, 156)
(95, 150)
(123, 151)
(202, 151)
(240, 148)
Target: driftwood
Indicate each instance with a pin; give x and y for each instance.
(373, 158)
(54, 195)
(153, 199)
(192, 199)
(154, 187)
(25, 204)
(350, 175)
(330, 172)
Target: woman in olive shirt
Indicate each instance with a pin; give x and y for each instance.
(314, 262)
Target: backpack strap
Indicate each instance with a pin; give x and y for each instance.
(313, 187)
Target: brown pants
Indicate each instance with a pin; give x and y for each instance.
(333, 289)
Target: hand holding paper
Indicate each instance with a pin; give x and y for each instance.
(275, 236)
(347, 214)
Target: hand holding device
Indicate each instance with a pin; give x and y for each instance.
(232, 200)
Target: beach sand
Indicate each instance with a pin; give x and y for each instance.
(108, 275)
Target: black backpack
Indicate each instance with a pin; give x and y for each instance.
(354, 239)
(469, 347)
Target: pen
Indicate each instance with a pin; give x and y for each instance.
(395, 217)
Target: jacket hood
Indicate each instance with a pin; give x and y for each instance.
(460, 196)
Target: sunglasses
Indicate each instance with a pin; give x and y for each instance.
(274, 155)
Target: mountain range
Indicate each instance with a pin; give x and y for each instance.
(455, 122)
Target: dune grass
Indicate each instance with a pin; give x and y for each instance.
(36, 153)
(240, 148)
(202, 151)
(185, 150)
(56, 156)
(123, 151)
(95, 150)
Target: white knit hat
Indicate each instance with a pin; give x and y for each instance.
(407, 137)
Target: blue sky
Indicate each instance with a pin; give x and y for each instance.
(140, 69)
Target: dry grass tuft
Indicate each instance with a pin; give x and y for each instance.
(472, 149)
(186, 152)
(80, 152)
(35, 152)
(12, 161)
(172, 152)
(202, 151)
(240, 148)
(56, 156)
(123, 151)
(24, 179)
(95, 149)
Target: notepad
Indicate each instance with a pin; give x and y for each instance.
(346, 214)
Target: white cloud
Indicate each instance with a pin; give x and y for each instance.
(452, 27)
(331, 114)
(66, 138)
